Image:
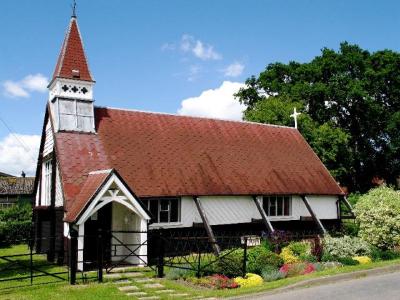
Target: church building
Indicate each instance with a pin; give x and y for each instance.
(126, 171)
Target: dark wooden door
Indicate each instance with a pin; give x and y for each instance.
(91, 241)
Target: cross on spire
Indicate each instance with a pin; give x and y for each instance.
(73, 6)
(294, 116)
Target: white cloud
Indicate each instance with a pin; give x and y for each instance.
(14, 89)
(35, 83)
(194, 71)
(198, 48)
(19, 153)
(215, 103)
(234, 70)
(22, 88)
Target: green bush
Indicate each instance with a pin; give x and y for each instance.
(230, 262)
(272, 274)
(302, 248)
(260, 258)
(348, 261)
(178, 273)
(378, 254)
(15, 224)
(342, 247)
(378, 214)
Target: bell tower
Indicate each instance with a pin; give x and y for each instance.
(71, 88)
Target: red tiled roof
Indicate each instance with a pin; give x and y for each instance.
(88, 189)
(167, 155)
(72, 56)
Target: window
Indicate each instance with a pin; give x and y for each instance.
(164, 210)
(76, 115)
(277, 206)
(47, 170)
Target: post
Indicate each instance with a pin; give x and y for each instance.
(198, 264)
(100, 255)
(207, 225)
(313, 215)
(264, 216)
(31, 258)
(161, 251)
(244, 267)
(73, 254)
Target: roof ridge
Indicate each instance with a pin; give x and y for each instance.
(194, 117)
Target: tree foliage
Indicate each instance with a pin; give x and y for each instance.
(350, 104)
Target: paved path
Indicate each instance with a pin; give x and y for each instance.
(382, 287)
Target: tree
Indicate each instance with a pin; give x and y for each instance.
(350, 104)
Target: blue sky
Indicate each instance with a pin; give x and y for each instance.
(151, 55)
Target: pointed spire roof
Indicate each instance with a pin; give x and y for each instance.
(72, 62)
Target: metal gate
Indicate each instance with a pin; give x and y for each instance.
(21, 265)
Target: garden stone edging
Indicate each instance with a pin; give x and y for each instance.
(326, 280)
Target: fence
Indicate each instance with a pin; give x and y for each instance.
(22, 263)
(190, 250)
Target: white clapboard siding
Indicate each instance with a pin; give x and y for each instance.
(229, 209)
(325, 207)
(222, 210)
(48, 141)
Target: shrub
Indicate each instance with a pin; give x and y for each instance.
(362, 260)
(296, 252)
(249, 281)
(260, 259)
(178, 273)
(277, 240)
(348, 261)
(230, 262)
(300, 248)
(345, 246)
(295, 269)
(309, 258)
(272, 274)
(222, 282)
(215, 281)
(379, 254)
(378, 214)
(317, 249)
(15, 224)
(288, 256)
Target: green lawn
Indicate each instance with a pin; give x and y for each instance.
(107, 290)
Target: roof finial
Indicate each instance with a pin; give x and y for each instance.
(73, 6)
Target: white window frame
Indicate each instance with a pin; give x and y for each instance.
(275, 198)
(159, 200)
(47, 181)
(75, 114)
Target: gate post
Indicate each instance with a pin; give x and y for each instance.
(244, 267)
(100, 255)
(73, 255)
(161, 251)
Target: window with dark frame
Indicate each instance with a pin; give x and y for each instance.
(277, 206)
(164, 210)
